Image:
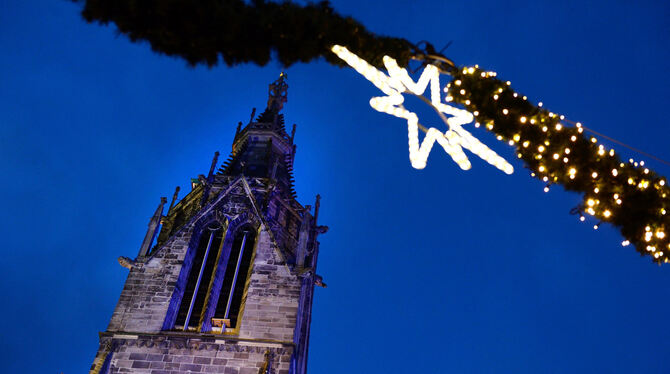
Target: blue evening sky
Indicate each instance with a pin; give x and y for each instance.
(428, 271)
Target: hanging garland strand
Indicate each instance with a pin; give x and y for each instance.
(237, 32)
(625, 194)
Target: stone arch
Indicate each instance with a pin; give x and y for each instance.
(240, 221)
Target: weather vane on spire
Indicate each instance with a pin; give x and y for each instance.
(277, 93)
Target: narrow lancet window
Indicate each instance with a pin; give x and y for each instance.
(199, 278)
(236, 275)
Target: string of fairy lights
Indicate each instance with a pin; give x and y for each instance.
(627, 195)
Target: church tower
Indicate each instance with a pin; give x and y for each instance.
(228, 285)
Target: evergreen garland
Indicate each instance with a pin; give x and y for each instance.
(624, 194)
(237, 32)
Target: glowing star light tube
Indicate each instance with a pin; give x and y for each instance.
(398, 82)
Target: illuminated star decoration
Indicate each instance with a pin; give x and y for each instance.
(398, 82)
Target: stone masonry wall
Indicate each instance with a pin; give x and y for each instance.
(136, 342)
(146, 295)
(270, 305)
(181, 355)
(272, 297)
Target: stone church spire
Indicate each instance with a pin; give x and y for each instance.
(229, 284)
(263, 148)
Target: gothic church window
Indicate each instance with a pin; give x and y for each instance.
(199, 278)
(237, 272)
(212, 256)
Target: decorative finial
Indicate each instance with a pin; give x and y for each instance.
(253, 113)
(215, 159)
(317, 205)
(174, 198)
(154, 222)
(278, 93)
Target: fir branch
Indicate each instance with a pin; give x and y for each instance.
(628, 196)
(625, 194)
(236, 32)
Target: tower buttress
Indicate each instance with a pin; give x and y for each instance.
(153, 228)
